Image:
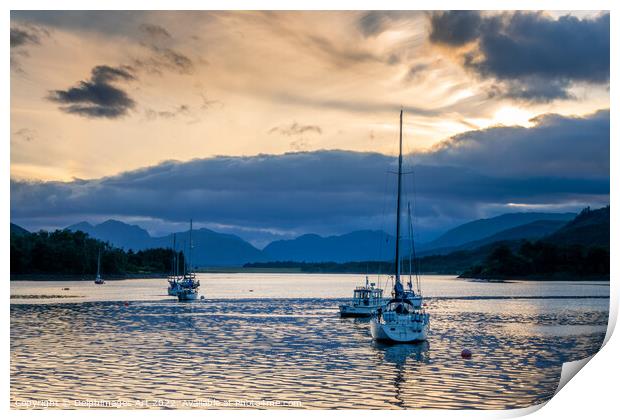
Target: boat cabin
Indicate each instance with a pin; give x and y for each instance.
(367, 296)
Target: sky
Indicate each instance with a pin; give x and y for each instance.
(275, 124)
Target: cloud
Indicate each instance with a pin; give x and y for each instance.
(556, 147)
(162, 56)
(25, 134)
(562, 162)
(178, 111)
(531, 56)
(165, 59)
(296, 129)
(22, 36)
(375, 22)
(97, 97)
(155, 31)
(455, 28)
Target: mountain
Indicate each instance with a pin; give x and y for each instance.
(578, 250)
(216, 249)
(589, 228)
(18, 230)
(484, 228)
(361, 245)
(120, 234)
(529, 231)
(210, 248)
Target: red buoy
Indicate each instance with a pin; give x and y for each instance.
(126, 303)
(466, 354)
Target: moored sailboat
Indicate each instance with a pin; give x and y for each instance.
(403, 319)
(174, 279)
(188, 285)
(99, 279)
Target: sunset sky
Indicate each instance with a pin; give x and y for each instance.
(270, 124)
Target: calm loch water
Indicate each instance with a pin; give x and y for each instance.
(264, 340)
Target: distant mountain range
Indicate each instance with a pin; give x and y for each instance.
(217, 249)
(485, 228)
(361, 245)
(210, 248)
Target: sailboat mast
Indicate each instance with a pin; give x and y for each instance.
(191, 245)
(99, 263)
(175, 265)
(410, 231)
(400, 173)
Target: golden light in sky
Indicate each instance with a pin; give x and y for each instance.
(253, 82)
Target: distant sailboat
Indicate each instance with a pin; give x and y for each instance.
(189, 285)
(98, 279)
(174, 279)
(403, 320)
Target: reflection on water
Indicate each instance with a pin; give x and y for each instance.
(300, 350)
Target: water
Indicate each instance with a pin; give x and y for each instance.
(277, 339)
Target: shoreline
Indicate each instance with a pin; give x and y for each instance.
(89, 278)
(240, 270)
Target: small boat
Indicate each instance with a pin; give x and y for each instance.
(98, 279)
(403, 319)
(366, 300)
(188, 285)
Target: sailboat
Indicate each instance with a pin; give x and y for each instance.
(188, 286)
(98, 279)
(174, 279)
(403, 319)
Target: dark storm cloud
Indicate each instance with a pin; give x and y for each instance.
(562, 162)
(532, 56)
(455, 27)
(97, 97)
(296, 129)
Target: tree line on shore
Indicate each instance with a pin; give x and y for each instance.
(75, 253)
(542, 259)
(522, 259)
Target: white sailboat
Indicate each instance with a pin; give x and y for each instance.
(174, 279)
(188, 286)
(366, 301)
(98, 279)
(403, 319)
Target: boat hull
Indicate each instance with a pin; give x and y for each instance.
(349, 311)
(398, 333)
(187, 296)
(173, 290)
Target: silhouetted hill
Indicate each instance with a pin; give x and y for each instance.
(485, 228)
(18, 230)
(210, 248)
(589, 228)
(578, 250)
(119, 234)
(530, 231)
(362, 245)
